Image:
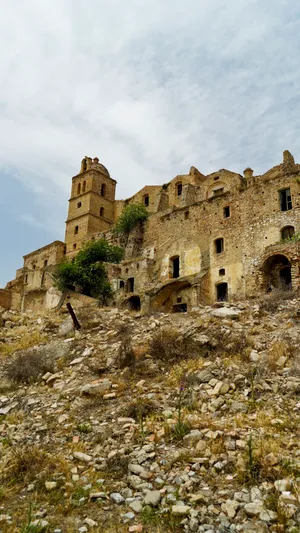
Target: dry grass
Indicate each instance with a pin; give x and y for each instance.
(183, 372)
(140, 408)
(271, 302)
(168, 346)
(126, 356)
(27, 462)
(27, 367)
(280, 348)
(23, 343)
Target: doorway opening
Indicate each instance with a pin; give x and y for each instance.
(134, 303)
(222, 292)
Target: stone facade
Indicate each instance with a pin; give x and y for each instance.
(207, 238)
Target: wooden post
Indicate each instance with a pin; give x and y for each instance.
(74, 318)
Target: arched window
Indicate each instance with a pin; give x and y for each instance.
(287, 232)
(146, 200)
(101, 211)
(79, 188)
(84, 186)
(103, 189)
(179, 189)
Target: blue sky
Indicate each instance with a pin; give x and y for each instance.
(151, 88)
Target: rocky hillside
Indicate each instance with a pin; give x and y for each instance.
(186, 422)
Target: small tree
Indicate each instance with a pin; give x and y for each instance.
(130, 217)
(87, 270)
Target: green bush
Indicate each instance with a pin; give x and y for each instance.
(130, 217)
(86, 271)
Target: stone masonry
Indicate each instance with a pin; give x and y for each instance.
(215, 237)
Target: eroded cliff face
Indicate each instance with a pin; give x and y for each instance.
(166, 422)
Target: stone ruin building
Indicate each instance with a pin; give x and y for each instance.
(220, 237)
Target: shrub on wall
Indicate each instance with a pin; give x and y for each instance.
(130, 217)
(87, 271)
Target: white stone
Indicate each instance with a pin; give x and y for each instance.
(152, 497)
(180, 509)
(82, 457)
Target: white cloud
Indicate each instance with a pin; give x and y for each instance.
(151, 88)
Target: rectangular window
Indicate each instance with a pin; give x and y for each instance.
(285, 200)
(219, 245)
(226, 211)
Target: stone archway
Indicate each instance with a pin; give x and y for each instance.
(133, 303)
(277, 273)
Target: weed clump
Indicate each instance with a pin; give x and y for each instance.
(27, 462)
(270, 302)
(27, 366)
(170, 347)
(126, 356)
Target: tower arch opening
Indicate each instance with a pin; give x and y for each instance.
(277, 273)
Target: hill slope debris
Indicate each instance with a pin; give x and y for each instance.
(183, 422)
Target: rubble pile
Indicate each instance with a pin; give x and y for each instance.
(116, 433)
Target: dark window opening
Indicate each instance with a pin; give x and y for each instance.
(45, 263)
(285, 200)
(26, 278)
(216, 178)
(76, 230)
(187, 215)
(179, 300)
(34, 267)
(103, 189)
(179, 189)
(146, 200)
(222, 272)
(122, 284)
(286, 277)
(222, 292)
(130, 285)
(79, 188)
(74, 246)
(287, 232)
(175, 267)
(101, 211)
(219, 245)
(180, 308)
(226, 211)
(84, 186)
(218, 191)
(79, 204)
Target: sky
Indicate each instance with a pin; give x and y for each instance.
(150, 87)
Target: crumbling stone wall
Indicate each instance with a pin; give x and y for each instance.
(218, 229)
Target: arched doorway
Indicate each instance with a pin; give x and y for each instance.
(277, 273)
(133, 303)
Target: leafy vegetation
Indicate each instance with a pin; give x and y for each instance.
(130, 217)
(87, 270)
(291, 238)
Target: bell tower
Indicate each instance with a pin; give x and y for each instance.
(91, 205)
